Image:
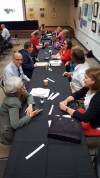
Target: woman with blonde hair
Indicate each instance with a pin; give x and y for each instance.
(91, 93)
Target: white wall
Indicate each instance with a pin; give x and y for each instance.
(88, 38)
(61, 9)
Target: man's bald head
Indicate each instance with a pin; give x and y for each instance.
(2, 26)
(17, 59)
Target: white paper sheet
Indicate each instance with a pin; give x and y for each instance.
(40, 92)
(55, 62)
(41, 64)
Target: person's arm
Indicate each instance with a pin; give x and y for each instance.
(15, 121)
(63, 104)
(3, 34)
(23, 76)
(30, 101)
(75, 96)
(92, 112)
(66, 56)
(80, 94)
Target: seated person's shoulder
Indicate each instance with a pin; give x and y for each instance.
(12, 102)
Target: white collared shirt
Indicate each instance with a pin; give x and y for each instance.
(5, 34)
(12, 70)
(78, 77)
(88, 98)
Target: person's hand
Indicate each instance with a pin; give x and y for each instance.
(67, 63)
(62, 106)
(64, 102)
(70, 110)
(53, 56)
(67, 74)
(36, 112)
(67, 100)
(29, 110)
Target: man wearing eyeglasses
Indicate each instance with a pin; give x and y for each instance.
(14, 68)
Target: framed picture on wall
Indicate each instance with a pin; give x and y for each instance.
(42, 12)
(89, 12)
(95, 9)
(85, 9)
(94, 26)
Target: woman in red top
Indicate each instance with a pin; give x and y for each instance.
(35, 39)
(65, 53)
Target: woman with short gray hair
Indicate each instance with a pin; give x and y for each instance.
(10, 120)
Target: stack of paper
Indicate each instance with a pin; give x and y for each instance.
(41, 64)
(55, 62)
(40, 92)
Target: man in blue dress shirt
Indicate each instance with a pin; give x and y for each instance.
(14, 68)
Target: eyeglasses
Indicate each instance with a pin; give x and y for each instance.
(18, 59)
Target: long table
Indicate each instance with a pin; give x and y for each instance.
(57, 159)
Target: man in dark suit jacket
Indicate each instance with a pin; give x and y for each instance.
(28, 61)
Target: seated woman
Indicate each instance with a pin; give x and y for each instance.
(63, 35)
(78, 59)
(35, 40)
(65, 53)
(91, 114)
(10, 120)
(42, 29)
(57, 31)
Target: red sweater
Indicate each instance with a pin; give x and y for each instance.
(66, 56)
(35, 41)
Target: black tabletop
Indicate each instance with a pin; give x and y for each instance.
(57, 159)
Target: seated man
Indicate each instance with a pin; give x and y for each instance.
(28, 61)
(14, 68)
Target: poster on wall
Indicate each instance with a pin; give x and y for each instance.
(30, 14)
(42, 12)
(94, 25)
(53, 13)
(85, 9)
(95, 9)
(89, 12)
(82, 10)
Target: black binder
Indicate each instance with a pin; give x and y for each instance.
(66, 129)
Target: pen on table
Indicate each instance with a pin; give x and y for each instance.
(51, 109)
(50, 96)
(35, 151)
(54, 96)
